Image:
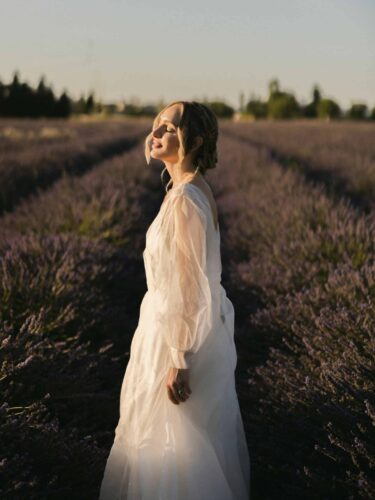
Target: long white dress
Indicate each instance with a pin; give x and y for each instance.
(195, 450)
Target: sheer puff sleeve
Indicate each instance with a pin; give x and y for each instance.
(184, 308)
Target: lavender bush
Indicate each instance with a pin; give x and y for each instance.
(338, 155)
(30, 163)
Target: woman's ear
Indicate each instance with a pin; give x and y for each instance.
(198, 141)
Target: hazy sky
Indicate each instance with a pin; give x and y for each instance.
(193, 49)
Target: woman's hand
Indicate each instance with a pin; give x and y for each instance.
(178, 385)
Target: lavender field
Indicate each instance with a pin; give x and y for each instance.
(297, 218)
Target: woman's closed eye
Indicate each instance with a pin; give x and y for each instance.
(170, 130)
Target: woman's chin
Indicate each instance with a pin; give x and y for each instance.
(155, 158)
(155, 154)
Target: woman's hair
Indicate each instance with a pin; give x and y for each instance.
(196, 120)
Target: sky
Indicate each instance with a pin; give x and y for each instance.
(198, 49)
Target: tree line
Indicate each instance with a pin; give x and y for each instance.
(282, 104)
(21, 100)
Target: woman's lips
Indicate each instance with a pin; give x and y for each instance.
(156, 145)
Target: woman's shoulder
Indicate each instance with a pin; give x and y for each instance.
(192, 191)
(186, 197)
(203, 196)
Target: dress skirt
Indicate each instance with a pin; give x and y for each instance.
(195, 450)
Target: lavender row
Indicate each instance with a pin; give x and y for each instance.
(300, 269)
(339, 156)
(35, 163)
(20, 134)
(57, 297)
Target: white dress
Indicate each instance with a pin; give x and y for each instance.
(195, 450)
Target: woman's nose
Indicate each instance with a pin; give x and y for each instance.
(156, 132)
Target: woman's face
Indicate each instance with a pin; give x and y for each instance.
(165, 143)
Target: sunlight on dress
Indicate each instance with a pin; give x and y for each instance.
(196, 450)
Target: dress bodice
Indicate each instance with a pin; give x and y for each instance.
(155, 240)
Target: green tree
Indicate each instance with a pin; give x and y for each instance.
(79, 106)
(257, 108)
(358, 112)
(2, 98)
(45, 99)
(133, 109)
(281, 104)
(311, 109)
(63, 106)
(284, 106)
(13, 100)
(221, 109)
(317, 95)
(328, 109)
(90, 103)
(149, 110)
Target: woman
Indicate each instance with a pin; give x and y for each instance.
(180, 434)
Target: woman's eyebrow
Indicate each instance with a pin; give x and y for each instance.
(166, 120)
